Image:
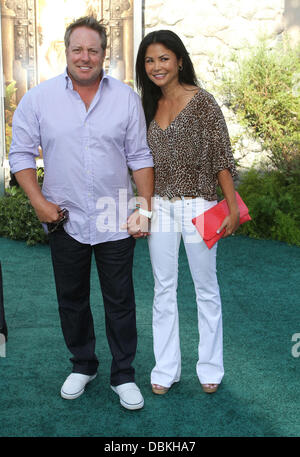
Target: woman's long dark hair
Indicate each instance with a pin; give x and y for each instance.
(150, 92)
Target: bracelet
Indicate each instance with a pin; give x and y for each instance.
(143, 212)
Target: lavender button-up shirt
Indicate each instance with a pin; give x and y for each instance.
(86, 153)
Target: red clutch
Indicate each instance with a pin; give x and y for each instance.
(208, 222)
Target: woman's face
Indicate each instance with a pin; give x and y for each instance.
(161, 65)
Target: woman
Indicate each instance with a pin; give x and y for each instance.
(191, 149)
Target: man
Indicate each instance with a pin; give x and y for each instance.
(91, 128)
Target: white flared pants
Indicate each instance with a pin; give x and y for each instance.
(170, 222)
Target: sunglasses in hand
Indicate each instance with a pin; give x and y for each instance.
(53, 226)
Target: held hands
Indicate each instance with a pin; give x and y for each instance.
(137, 225)
(230, 224)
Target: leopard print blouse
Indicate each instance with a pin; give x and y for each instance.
(191, 151)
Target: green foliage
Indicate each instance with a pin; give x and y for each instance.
(274, 205)
(263, 89)
(264, 92)
(40, 175)
(18, 220)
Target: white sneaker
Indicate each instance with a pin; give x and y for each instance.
(130, 395)
(75, 384)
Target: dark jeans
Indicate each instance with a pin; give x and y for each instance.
(72, 265)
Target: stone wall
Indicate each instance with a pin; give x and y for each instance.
(211, 31)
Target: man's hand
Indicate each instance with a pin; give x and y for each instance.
(47, 212)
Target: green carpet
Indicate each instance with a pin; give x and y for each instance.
(260, 393)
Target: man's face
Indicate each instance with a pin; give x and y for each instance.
(85, 56)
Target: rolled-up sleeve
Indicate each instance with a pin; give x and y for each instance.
(25, 136)
(136, 147)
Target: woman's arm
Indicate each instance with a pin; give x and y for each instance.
(138, 225)
(230, 222)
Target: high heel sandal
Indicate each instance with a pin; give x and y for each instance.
(159, 390)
